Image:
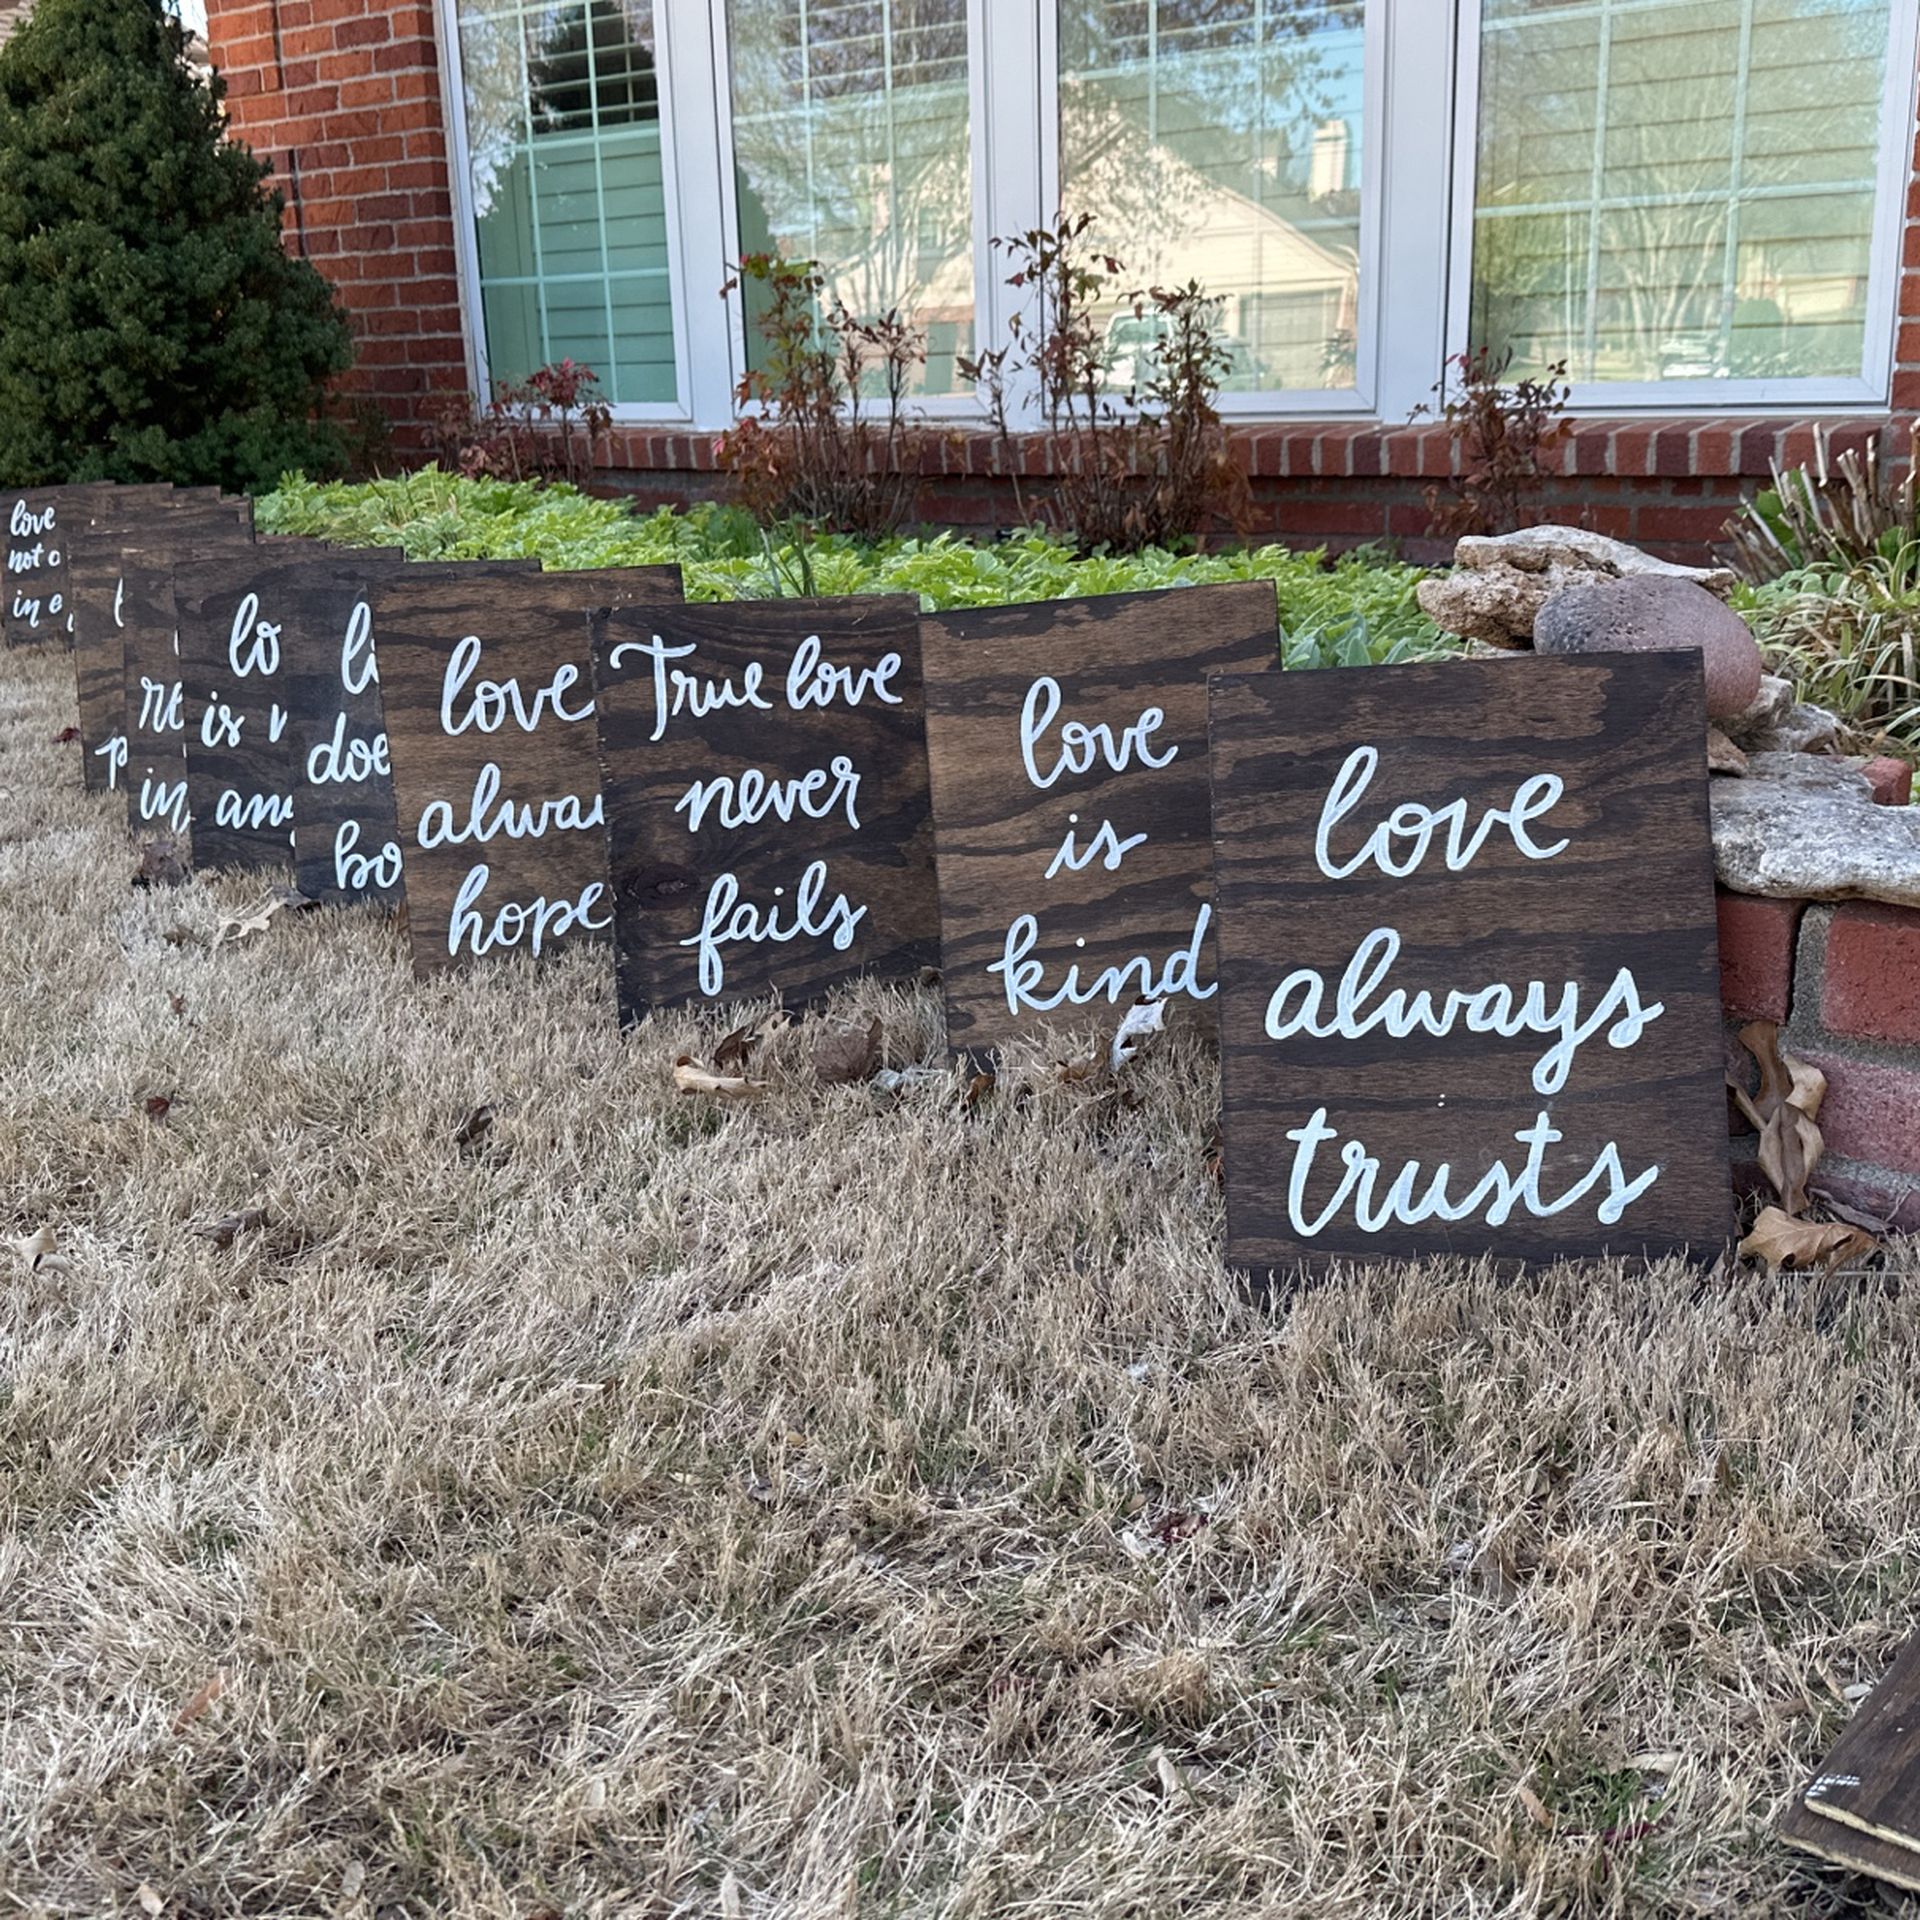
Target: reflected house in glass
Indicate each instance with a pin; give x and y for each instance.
(1698, 206)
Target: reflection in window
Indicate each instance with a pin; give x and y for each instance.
(563, 131)
(1221, 140)
(851, 148)
(1677, 189)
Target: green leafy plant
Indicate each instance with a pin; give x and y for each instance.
(1133, 469)
(1499, 433)
(152, 326)
(1355, 609)
(825, 441)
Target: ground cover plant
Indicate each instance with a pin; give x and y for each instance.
(1357, 609)
(450, 1470)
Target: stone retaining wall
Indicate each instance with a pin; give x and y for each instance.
(1842, 980)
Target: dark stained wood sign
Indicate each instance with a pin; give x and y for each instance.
(155, 691)
(1068, 742)
(96, 604)
(33, 561)
(488, 693)
(765, 771)
(1469, 984)
(346, 831)
(235, 616)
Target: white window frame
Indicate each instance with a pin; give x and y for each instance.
(1417, 217)
(1868, 393)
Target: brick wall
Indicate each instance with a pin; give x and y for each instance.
(343, 97)
(1843, 983)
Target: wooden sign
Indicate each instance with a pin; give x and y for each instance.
(346, 832)
(1469, 984)
(33, 579)
(155, 692)
(488, 693)
(235, 621)
(96, 604)
(765, 772)
(1862, 1810)
(1068, 742)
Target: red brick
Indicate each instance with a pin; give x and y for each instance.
(1871, 1112)
(1756, 955)
(1871, 989)
(369, 30)
(1890, 779)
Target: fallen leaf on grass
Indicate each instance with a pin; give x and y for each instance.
(691, 1077)
(1537, 1809)
(474, 1128)
(242, 926)
(177, 1004)
(1144, 1019)
(847, 1056)
(65, 735)
(741, 1044)
(223, 1233)
(150, 1901)
(160, 864)
(1791, 1245)
(201, 1701)
(353, 1876)
(36, 1251)
(159, 1105)
(977, 1090)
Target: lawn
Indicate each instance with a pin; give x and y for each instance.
(849, 1503)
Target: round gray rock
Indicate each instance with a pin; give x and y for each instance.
(1648, 613)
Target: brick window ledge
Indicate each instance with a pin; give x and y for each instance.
(1636, 447)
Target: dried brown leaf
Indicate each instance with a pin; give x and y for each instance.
(1537, 1809)
(65, 735)
(1794, 1246)
(690, 1077)
(203, 1698)
(159, 1105)
(177, 1004)
(848, 1055)
(743, 1042)
(474, 1128)
(977, 1089)
(1784, 1111)
(223, 1233)
(160, 864)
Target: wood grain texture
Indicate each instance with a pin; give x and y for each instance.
(116, 516)
(1844, 1846)
(779, 841)
(36, 523)
(1120, 915)
(346, 832)
(191, 531)
(234, 620)
(488, 693)
(1627, 884)
(1870, 1783)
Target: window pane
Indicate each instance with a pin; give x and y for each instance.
(1672, 189)
(1221, 141)
(851, 148)
(563, 129)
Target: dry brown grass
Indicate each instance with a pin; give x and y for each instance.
(672, 1511)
